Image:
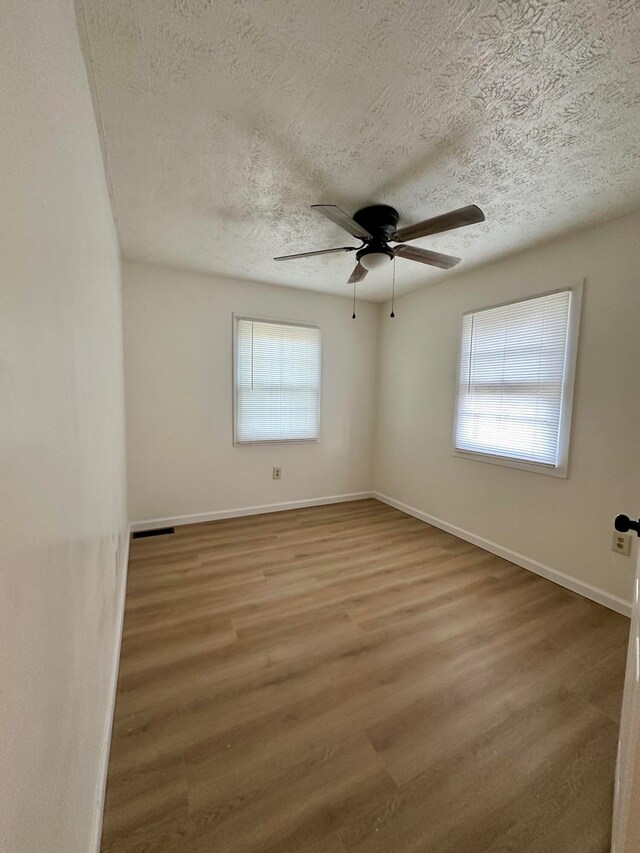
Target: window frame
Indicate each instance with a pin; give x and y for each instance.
(566, 412)
(234, 363)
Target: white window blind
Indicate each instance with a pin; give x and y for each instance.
(513, 379)
(277, 381)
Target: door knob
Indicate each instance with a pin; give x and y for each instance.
(623, 524)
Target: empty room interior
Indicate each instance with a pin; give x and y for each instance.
(320, 411)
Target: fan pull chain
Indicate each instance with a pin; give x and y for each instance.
(393, 289)
(353, 316)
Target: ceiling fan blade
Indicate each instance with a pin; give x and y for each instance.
(319, 252)
(424, 256)
(358, 274)
(445, 222)
(333, 212)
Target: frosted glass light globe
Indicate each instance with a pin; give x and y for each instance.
(374, 260)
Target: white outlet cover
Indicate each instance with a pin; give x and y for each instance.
(621, 543)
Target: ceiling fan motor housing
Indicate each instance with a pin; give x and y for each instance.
(380, 220)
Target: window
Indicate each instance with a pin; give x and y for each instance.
(515, 382)
(276, 382)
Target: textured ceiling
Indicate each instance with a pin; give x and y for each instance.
(223, 120)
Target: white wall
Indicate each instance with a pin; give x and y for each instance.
(178, 348)
(565, 524)
(62, 506)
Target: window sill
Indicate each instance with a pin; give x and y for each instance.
(504, 461)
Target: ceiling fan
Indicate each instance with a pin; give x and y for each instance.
(376, 227)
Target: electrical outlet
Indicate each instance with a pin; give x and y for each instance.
(621, 543)
(277, 473)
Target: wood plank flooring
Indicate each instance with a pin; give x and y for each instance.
(347, 679)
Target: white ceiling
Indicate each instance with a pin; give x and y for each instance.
(223, 120)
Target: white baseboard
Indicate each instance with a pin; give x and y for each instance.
(111, 703)
(151, 524)
(567, 581)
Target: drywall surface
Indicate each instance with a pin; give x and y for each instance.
(565, 524)
(225, 120)
(178, 358)
(62, 488)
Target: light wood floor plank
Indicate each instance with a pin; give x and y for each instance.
(347, 679)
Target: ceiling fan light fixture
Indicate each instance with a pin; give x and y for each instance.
(373, 260)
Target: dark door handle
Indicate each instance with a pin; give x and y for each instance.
(623, 524)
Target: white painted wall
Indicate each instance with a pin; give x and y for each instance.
(565, 524)
(178, 348)
(62, 504)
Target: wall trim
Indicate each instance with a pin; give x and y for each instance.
(111, 703)
(585, 589)
(217, 515)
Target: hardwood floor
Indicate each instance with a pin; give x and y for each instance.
(347, 679)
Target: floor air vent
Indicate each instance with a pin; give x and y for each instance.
(159, 531)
